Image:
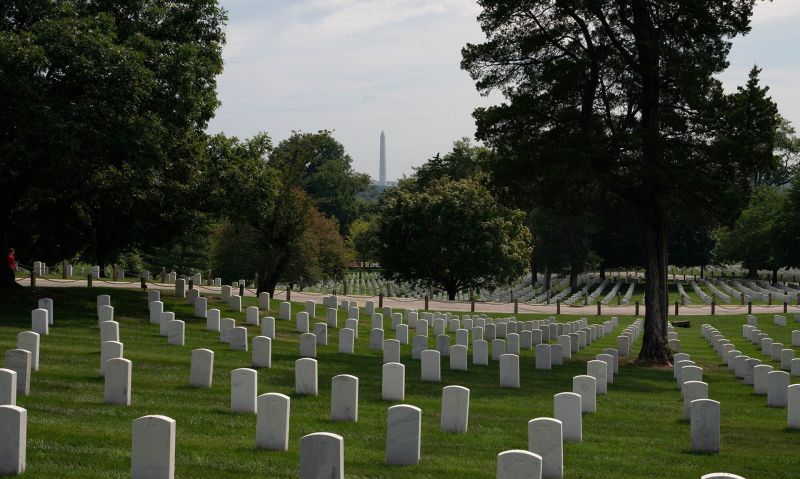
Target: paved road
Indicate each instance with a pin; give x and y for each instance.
(480, 307)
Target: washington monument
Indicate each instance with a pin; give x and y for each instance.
(382, 173)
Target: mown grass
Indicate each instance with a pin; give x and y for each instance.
(637, 431)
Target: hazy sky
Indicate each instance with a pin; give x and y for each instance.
(361, 66)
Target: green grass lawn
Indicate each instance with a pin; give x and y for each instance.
(637, 431)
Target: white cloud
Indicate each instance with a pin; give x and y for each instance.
(776, 10)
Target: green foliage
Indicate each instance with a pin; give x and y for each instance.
(754, 237)
(102, 110)
(363, 239)
(318, 164)
(464, 161)
(453, 236)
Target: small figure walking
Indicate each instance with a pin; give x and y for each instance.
(12, 268)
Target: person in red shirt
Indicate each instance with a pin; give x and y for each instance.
(12, 266)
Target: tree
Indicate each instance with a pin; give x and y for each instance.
(619, 96)
(452, 236)
(362, 240)
(318, 253)
(318, 164)
(464, 161)
(755, 238)
(102, 106)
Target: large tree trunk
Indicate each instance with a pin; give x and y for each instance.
(774, 276)
(602, 272)
(547, 276)
(752, 270)
(573, 276)
(534, 272)
(654, 342)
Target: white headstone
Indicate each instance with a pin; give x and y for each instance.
(252, 315)
(599, 370)
(705, 426)
(543, 356)
(777, 388)
(509, 371)
(545, 440)
(225, 327)
(263, 300)
(47, 303)
(118, 381)
(322, 456)
(163, 325)
(431, 366)
(212, 320)
(262, 352)
(458, 357)
(109, 350)
(391, 351)
(344, 397)
(403, 434)
(243, 390)
(155, 309)
(29, 341)
(586, 386)
(305, 377)
(153, 448)
(202, 369)
(176, 332)
(480, 352)
(13, 440)
(308, 345)
(8, 387)
(285, 311)
(692, 390)
(567, 409)
(518, 464)
(346, 341)
(455, 409)
(105, 313)
(272, 422)
(393, 384)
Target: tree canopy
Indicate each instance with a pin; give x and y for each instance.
(452, 236)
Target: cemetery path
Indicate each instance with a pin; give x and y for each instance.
(480, 307)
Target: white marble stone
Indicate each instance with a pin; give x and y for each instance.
(403, 435)
(225, 327)
(109, 350)
(235, 303)
(243, 390)
(103, 300)
(346, 341)
(761, 379)
(192, 296)
(105, 313)
(268, 327)
(443, 344)
(13, 440)
(201, 307)
(692, 390)
(29, 341)
(376, 339)
(163, 325)
(376, 321)
(401, 333)
(705, 426)
(598, 370)
(252, 315)
(565, 341)
(518, 464)
(352, 324)
(777, 388)
(331, 318)
(321, 333)
(480, 352)
(344, 397)
(322, 456)
(586, 386)
(624, 346)
(311, 308)
(153, 448)
(393, 382)
(305, 377)
(431, 366)
(285, 311)
(609, 360)
(263, 300)
(176, 333)
(498, 348)
(793, 406)
(272, 421)
(556, 355)
(458, 357)
(509, 371)
(567, 409)
(118, 381)
(545, 439)
(691, 373)
(8, 387)
(615, 354)
(786, 357)
(47, 303)
(155, 308)
(212, 320)
(543, 356)
(262, 352)
(391, 351)
(721, 475)
(308, 345)
(201, 374)
(455, 409)
(225, 293)
(301, 322)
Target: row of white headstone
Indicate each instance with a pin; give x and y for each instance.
(762, 377)
(15, 380)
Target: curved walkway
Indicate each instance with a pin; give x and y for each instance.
(455, 306)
